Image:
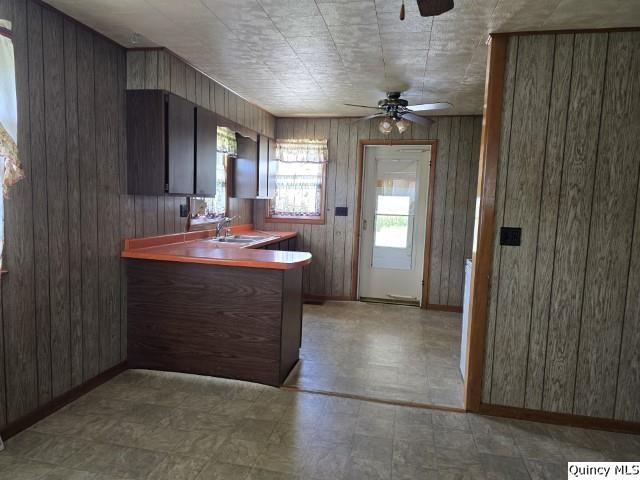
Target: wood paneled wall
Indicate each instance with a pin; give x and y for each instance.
(159, 68)
(61, 315)
(564, 315)
(453, 207)
(63, 302)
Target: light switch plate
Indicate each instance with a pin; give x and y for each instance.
(184, 210)
(510, 236)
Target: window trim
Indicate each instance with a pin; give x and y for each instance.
(310, 220)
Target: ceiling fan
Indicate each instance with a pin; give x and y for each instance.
(430, 8)
(397, 111)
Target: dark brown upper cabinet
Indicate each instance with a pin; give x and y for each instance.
(246, 168)
(206, 151)
(180, 146)
(146, 142)
(253, 173)
(171, 145)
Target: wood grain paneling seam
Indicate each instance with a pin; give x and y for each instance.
(537, 243)
(588, 231)
(558, 216)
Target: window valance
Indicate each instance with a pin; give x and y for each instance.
(227, 141)
(302, 151)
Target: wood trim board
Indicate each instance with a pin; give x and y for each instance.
(483, 250)
(560, 32)
(443, 308)
(364, 398)
(296, 220)
(555, 418)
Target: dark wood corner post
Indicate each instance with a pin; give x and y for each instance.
(483, 247)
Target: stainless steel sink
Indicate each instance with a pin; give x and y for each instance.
(246, 239)
(230, 240)
(254, 238)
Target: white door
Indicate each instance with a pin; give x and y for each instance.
(393, 223)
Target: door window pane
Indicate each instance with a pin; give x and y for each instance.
(392, 231)
(396, 187)
(393, 205)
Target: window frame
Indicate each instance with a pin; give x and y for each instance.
(294, 219)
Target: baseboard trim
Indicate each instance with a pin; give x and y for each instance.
(309, 298)
(443, 308)
(567, 419)
(390, 301)
(364, 398)
(57, 403)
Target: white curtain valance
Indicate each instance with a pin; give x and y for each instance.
(302, 151)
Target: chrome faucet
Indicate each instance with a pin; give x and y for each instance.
(225, 224)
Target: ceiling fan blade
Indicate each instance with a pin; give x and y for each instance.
(431, 8)
(369, 117)
(418, 119)
(361, 106)
(429, 106)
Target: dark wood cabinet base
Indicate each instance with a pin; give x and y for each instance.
(234, 322)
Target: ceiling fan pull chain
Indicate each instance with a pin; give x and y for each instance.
(402, 11)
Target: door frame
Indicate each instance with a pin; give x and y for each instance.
(355, 259)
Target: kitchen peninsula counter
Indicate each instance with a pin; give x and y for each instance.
(225, 309)
(198, 247)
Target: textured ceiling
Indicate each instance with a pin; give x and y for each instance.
(308, 57)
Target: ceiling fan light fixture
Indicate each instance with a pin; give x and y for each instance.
(385, 126)
(402, 125)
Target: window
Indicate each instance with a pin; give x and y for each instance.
(299, 182)
(214, 208)
(211, 209)
(10, 169)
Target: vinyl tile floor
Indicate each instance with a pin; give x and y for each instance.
(381, 351)
(154, 425)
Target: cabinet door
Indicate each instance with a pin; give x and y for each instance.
(273, 167)
(246, 169)
(263, 166)
(181, 146)
(206, 152)
(146, 142)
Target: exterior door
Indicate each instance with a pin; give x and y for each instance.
(393, 229)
